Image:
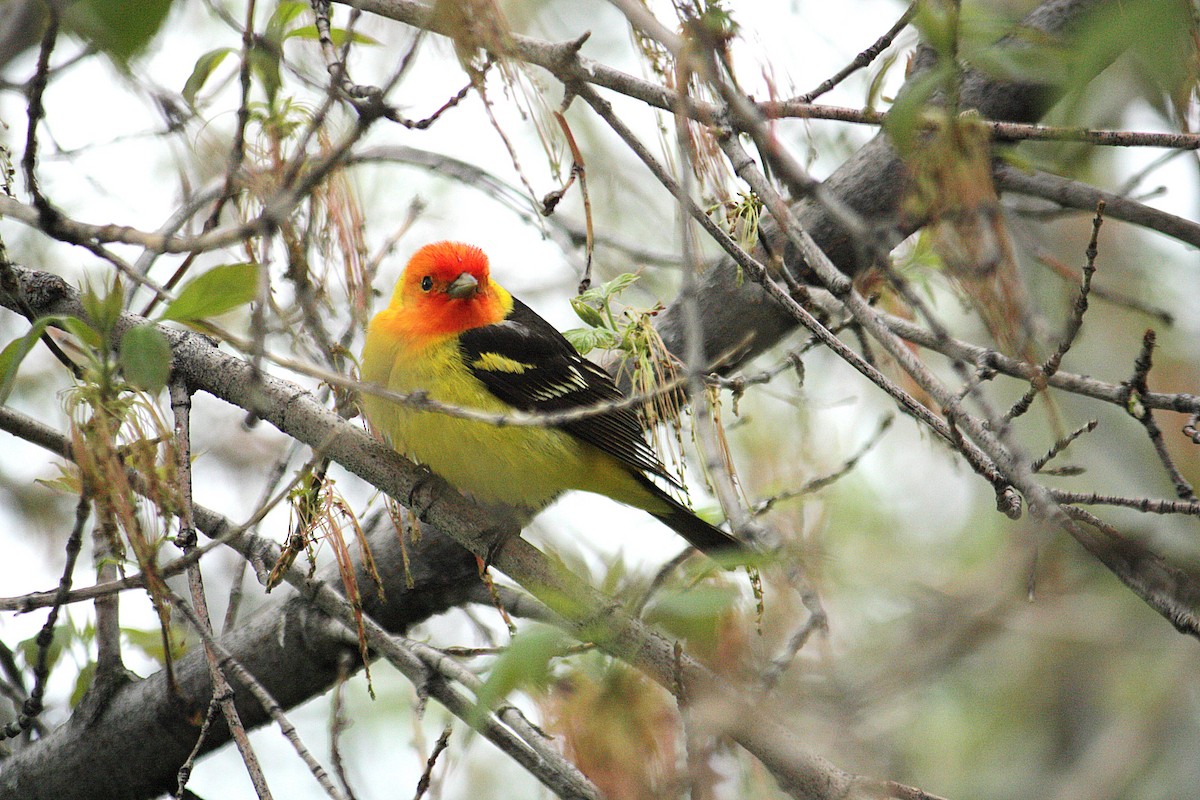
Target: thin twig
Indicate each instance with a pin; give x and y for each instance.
(109, 663)
(1099, 291)
(181, 405)
(237, 154)
(759, 273)
(227, 663)
(338, 722)
(442, 743)
(539, 758)
(1062, 444)
(185, 769)
(1074, 324)
(1139, 411)
(842, 288)
(864, 58)
(708, 438)
(816, 484)
(35, 111)
(1075, 194)
(1147, 505)
(41, 671)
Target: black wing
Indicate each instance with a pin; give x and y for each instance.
(528, 364)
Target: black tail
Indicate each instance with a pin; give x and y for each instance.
(708, 539)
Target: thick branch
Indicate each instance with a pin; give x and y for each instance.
(873, 183)
(590, 615)
(1074, 194)
(134, 746)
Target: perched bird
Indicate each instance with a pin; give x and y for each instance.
(452, 332)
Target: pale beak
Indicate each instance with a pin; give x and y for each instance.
(463, 286)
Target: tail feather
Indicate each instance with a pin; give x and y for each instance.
(708, 539)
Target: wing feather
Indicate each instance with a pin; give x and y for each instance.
(528, 364)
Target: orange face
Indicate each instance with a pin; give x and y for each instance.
(447, 288)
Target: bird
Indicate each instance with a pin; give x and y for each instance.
(455, 335)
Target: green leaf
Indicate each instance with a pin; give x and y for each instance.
(82, 331)
(205, 65)
(585, 340)
(83, 682)
(103, 310)
(14, 353)
(525, 663)
(587, 313)
(1033, 64)
(580, 339)
(605, 291)
(592, 295)
(121, 29)
(904, 118)
(150, 642)
(63, 636)
(283, 16)
(264, 62)
(64, 484)
(878, 80)
(336, 35)
(935, 25)
(1157, 34)
(146, 357)
(618, 284)
(221, 289)
(692, 614)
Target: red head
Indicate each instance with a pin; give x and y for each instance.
(447, 288)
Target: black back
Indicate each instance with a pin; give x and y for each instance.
(554, 377)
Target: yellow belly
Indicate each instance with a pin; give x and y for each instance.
(516, 465)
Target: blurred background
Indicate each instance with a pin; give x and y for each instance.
(967, 654)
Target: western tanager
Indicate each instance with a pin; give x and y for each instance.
(453, 333)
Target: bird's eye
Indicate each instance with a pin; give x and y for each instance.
(426, 283)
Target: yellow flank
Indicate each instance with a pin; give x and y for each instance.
(515, 465)
(494, 362)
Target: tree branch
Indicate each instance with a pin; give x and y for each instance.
(590, 615)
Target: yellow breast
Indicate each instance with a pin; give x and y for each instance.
(516, 465)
